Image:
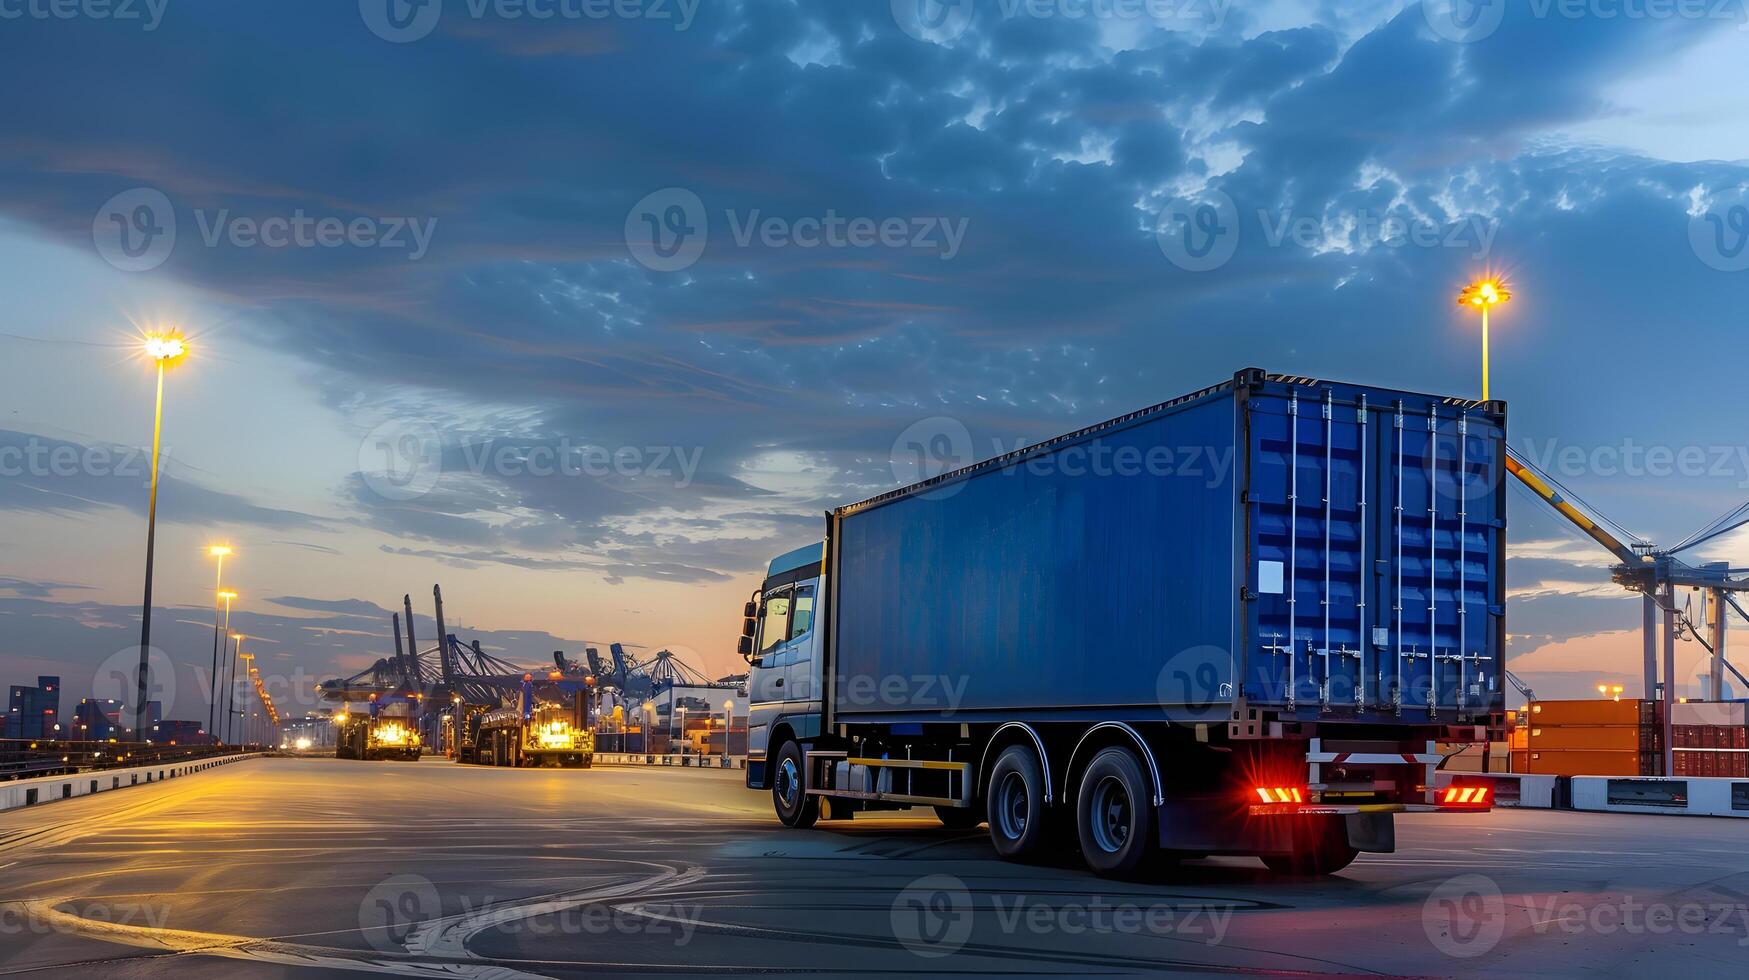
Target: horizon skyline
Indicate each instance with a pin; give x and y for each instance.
(588, 319)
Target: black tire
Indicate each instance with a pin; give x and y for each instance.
(959, 817)
(1015, 805)
(788, 794)
(588, 761)
(1114, 814)
(1320, 848)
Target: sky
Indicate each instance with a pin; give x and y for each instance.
(586, 310)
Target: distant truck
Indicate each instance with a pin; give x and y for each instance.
(548, 725)
(1236, 622)
(388, 731)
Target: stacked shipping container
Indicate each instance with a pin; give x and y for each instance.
(1593, 738)
(1711, 739)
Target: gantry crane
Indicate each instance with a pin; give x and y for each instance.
(1656, 574)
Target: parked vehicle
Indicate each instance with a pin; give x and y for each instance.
(388, 731)
(1232, 623)
(548, 725)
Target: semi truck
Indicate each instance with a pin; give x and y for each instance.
(389, 730)
(1237, 622)
(547, 725)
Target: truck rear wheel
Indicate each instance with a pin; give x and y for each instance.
(1114, 813)
(1015, 805)
(1320, 848)
(789, 794)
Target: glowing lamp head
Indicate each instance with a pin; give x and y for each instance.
(165, 348)
(218, 551)
(1484, 293)
(228, 595)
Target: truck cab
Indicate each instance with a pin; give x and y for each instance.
(785, 656)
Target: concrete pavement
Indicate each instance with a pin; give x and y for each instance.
(311, 867)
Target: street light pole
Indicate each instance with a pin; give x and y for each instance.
(1484, 353)
(219, 552)
(163, 350)
(728, 724)
(231, 684)
(1484, 295)
(248, 677)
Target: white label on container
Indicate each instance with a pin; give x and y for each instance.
(1381, 636)
(1269, 577)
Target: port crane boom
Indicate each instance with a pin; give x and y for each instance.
(1656, 574)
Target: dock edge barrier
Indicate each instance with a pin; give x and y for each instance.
(678, 761)
(1697, 796)
(22, 793)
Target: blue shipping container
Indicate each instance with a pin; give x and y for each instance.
(1326, 551)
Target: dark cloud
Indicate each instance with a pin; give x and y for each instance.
(350, 607)
(528, 323)
(37, 590)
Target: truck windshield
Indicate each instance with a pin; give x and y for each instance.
(774, 625)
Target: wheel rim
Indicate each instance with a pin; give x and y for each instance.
(787, 783)
(1012, 806)
(1110, 816)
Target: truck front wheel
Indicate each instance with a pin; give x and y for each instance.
(1114, 813)
(789, 794)
(1016, 805)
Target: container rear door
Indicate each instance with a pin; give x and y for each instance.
(1374, 554)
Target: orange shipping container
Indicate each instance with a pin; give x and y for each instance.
(1599, 712)
(1581, 763)
(1602, 738)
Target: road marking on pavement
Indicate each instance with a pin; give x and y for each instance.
(448, 937)
(182, 941)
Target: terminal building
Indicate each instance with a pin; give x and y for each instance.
(34, 712)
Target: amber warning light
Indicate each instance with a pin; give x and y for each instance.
(1460, 797)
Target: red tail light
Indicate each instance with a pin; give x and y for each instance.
(1281, 794)
(1465, 796)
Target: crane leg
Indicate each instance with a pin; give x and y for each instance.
(1649, 637)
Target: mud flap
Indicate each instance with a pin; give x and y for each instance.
(1375, 833)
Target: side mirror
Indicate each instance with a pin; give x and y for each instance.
(746, 648)
(750, 610)
(749, 627)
